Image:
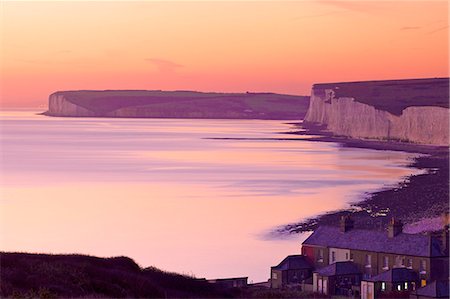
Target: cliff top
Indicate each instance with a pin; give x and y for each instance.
(154, 103)
(393, 95)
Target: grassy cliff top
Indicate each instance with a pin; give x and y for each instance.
(393, 95)
(269, 104)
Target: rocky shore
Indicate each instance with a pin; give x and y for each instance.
(418, 197)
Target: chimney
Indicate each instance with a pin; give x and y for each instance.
(346, 223)
(395, 228)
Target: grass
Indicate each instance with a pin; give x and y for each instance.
(25, 275)
(189, 104)
(394, 95)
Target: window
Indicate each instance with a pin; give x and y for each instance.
(346, 256)
(368, 260)
(351, 256)
(333, 256)
(423, 283)
(406, 285)
(386, 263)
(400, 261)
(274, 275)
(383, 286)
(423, 267)
(399, 287)
(410, 263)
(320, 257)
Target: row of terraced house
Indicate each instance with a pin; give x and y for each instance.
(347, 261)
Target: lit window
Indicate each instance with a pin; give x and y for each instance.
(399, 287)
(406, 285)
(383, 286)
(320, 258)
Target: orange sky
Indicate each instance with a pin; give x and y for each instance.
(215, 46)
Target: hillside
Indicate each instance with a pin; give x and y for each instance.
(176, 104)
(414, 111)
(25, 275)
(392, 96)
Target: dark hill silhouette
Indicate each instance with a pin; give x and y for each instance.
(25, 275)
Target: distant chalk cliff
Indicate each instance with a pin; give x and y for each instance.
(176, 104)
(415, 111)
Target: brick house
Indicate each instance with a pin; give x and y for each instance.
(394, 281)
(293, 271)
(338, 278)
(372, 253)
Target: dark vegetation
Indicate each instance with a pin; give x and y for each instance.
(189, 104)
(394, 95)
(25, 275)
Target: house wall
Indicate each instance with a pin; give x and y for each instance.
(276, 279)
(341, 255)
(377, 263)
(416, 263)
(315, 283)
(308, 251)
(313, 255)
(359, 258)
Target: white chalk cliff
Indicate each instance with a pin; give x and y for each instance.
(60, 106)
(344, 116)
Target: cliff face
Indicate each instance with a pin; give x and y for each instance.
(176, 104)
(60, 106)
(400, 118)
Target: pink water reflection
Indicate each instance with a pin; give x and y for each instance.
(159, 192)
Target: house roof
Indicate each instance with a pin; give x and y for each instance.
(377, 241)
(396, 275)
(339, 268)
(435, 289)
(293, 262)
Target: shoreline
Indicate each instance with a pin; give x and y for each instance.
(417, 197)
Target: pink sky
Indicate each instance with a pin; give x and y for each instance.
(277, 46)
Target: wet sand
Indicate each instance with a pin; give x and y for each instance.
(417, 197)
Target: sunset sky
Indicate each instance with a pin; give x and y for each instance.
(215, 46)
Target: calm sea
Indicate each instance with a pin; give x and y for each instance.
(166, 193)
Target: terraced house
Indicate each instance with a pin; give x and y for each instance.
(370, 263)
